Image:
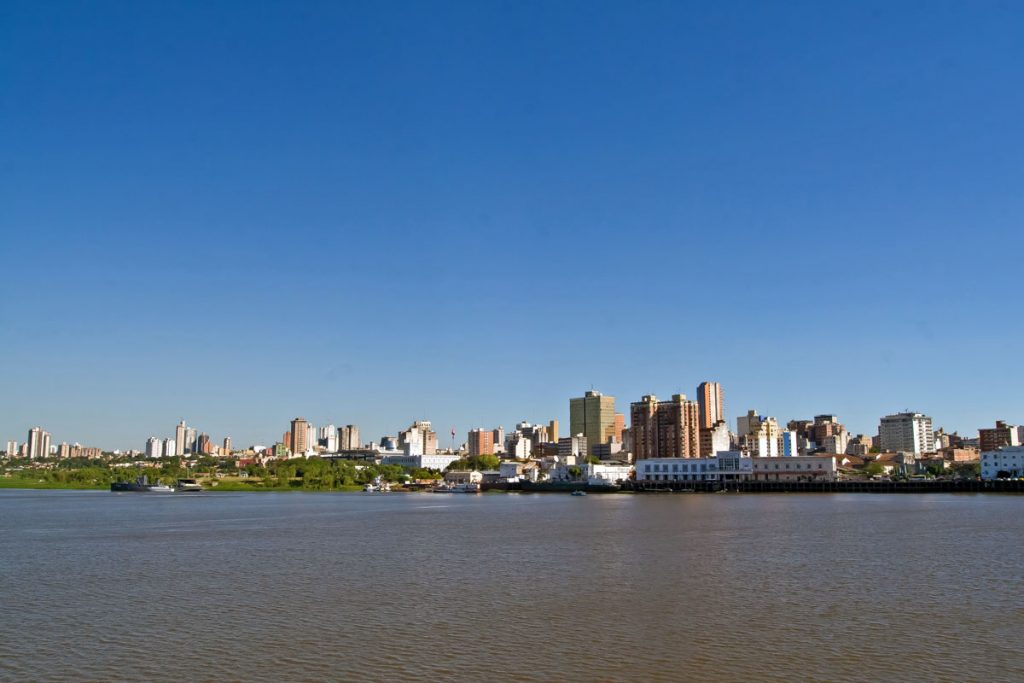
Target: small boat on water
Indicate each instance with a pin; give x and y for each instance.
(142, 485)
(188, 486)
(577, 492)
(377, 486)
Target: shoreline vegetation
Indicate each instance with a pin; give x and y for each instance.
(219, 485)
(225, 474)
(311, 474)
(215, 474)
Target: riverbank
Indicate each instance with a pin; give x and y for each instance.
(227, 487)
(12, 483)
(933, 486)
(843, 486)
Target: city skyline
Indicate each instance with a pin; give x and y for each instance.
(237, 231)
(734, 423)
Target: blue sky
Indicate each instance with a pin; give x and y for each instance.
(237, 213)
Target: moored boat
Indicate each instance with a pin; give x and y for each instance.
(188, 486)
(140, 485)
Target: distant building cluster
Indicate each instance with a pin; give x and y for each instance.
(673, 440)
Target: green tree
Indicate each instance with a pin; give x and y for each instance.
(486, 461)
(874, 469)
(969, 470)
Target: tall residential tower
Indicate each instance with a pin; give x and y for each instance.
(665, 429)
(711, 404)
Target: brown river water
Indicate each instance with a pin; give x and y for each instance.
(98, 586)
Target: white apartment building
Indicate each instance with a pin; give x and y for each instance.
(180, 434)
(838, 442)
(906, 433)
(715, 439)
(1008, 461)
(154, 447)
(169, 448)
(328, 438)
(519, 446)
(38, 444)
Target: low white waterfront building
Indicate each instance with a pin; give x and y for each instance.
(434, 461)
(1008, 462)
(725, 466)
(798, 468)
(463, 477)
(606, 473)
(676, 469)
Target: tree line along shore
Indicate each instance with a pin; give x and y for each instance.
(224, 474)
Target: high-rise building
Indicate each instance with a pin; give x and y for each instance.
(837, 442)
(747, 424)
(790, 443)
(300, 442)
(711, 404)
(180, 433)
(1000, 436)
(593, 416)
(498, 439)
(153, 447)
(190, 441)
(665, 429)
(348, 438)
(327, 438)
(481, 441)
(526, 439)
(572, 446)
(38, 444)
(826, 426)
(419, 439)
(553, 431)
(227, 445)
(714, 439)
(64, 451)
(170, 448)
(520, 445)
(12, 449)
(906, 433)
(203, 445)
(759, 435)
